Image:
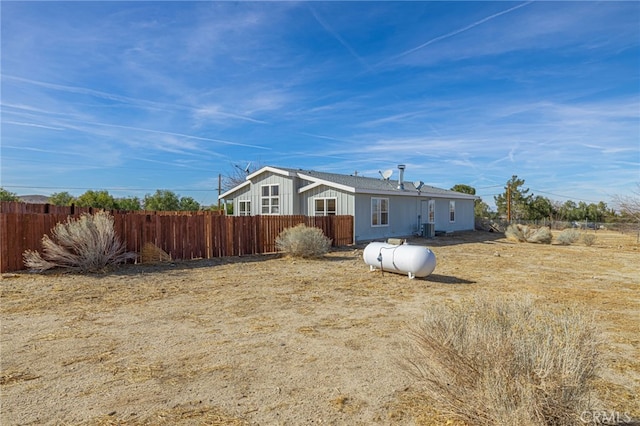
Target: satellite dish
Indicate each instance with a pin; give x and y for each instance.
(418, 184)
(386, 174)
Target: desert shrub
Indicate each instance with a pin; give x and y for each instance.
(523, 233)
(568, 236)
(489, 362)
(516, 233)
(540, 235)
(588, 239)
(88, 244)
(303, 241)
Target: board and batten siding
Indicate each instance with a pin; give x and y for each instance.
(243, 194)
(344, 200)
(287, 193)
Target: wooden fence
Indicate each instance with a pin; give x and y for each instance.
(183, 235)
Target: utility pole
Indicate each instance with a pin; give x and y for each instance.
(219, 189)
(509, 202)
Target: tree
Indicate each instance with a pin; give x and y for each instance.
(465, 189)
(61, 199)
(189, 204)
(165, 200)
(514, 200)
(629, 205)
(8, 196)
(480, 208)
(566, 210)
(129, 203)
(162, 200)
(238, 175)
(97, 199)
(540, 208)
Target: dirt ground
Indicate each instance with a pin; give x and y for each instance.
(272, 340)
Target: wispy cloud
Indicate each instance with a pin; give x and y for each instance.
(41, 126)
(455, 32)
(339, 38)
(134, 102)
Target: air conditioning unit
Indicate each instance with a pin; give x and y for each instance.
(428, 230)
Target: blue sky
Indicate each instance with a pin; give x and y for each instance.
(137, 96)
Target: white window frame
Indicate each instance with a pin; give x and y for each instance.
(246, 211)
(452, 211)
(379, 213)
(325, 210)
(270, 204)
(431, 211)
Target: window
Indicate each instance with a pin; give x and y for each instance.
(325, 206)
(432, 211)
(379, 211)
(452, 211)
(270, 200)
(244, 208)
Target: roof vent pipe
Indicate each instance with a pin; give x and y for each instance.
(401, 167)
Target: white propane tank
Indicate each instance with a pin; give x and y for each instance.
(413, 260)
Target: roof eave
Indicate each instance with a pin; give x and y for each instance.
(317, 182)
(234, 189)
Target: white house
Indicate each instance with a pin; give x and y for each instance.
(381, 207)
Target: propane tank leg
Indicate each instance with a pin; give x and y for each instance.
(411, 275)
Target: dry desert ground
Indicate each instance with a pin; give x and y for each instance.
(271, 340)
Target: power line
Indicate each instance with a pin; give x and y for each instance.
(564, 196)
(105, 189)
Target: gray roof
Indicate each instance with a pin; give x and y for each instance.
(358, 184)
(367, 184)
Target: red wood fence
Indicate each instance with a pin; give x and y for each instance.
(183, 235)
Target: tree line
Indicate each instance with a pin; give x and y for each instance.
(517, 202)
(161, 200)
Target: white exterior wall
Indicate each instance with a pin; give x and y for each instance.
(403, 217)
(464, 217)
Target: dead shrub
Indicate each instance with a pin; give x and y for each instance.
(151, 253)
(88, 244)
(303, 241)
(568, 236)
(488, 362)
(588, 239)
(524, 233)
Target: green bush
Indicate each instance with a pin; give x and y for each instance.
(88, 244)
(303, 241)
(497, 362)
(568, 236)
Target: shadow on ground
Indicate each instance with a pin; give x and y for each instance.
(446, 279)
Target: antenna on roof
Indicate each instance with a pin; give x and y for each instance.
(386, 174)
(246, 170)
